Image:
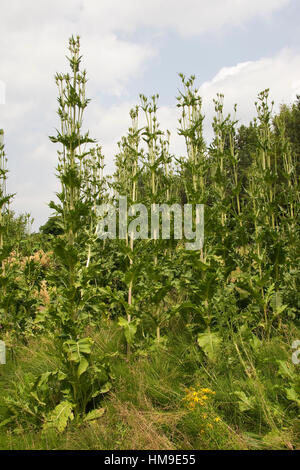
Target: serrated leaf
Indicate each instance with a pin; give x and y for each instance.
(285, 370)
(292, 395)
(60, 416)
(94, 415)
(245, 403)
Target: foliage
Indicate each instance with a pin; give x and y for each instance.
(134, 322)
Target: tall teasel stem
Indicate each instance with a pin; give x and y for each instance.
(152, 135)
(4, 198)
(266, 157)
(167, 170)
(94, 189)
(234, 160)
(126, 184)
(133, 147)
(261, 182)
(221, 135)
(2, 183)
(288, 173)
(191, 127)
(72, 103)
(166, 158)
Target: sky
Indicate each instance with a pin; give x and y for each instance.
(235, 47)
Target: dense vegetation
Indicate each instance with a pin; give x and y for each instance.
(142, 344)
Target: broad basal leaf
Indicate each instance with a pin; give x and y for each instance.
(209, 342)
(60, 416)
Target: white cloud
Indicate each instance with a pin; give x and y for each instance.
(113, 62)
(241, 84)
(191, 17)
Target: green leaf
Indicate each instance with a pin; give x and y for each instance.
(130, 328)
(255, 343)
(209, 343)
(6, 421)
(35, 396)
(106, 388)
(76, 349)
(60, 416)
(276, 301)
(292, 395)
(93, 415)
(83, 365)
(245, 403)
(286, 370)
(244, 294)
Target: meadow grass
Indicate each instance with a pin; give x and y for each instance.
(147, 409)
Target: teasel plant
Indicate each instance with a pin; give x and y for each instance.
(95, 192)
(167, 164)
(226, 190)
(287, 175)
(191, 127)
(151, 135)
(155, 164)
(78, 171)
(4, 197)
(284, 256)
(269, 187)
(220, 158)
(261, 181)
(267, 159)
(169, 189)
(2, 184)
(234, 166)
(226, 174)
(132, 145)
(281, 186)
(126, 183)
(73, 210)
(289, 194)
(156, 161)
(195, 166)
